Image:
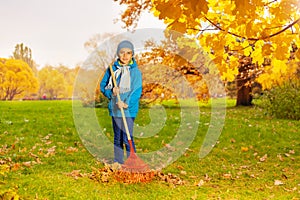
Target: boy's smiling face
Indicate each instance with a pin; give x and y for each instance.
(125, 55)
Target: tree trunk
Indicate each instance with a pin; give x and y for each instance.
(244, 96)
(243, 81)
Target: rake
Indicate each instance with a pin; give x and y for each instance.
(134, 169)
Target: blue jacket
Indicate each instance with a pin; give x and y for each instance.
(131, 98)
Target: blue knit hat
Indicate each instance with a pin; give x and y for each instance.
(125, 44)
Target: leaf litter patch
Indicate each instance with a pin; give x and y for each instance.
(110, 172)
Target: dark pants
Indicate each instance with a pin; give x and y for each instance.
(120, 137)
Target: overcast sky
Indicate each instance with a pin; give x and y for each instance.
(56, 30)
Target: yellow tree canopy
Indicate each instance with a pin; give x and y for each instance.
(69, 75)
(168, 62)
(52, 82)
(229, 30)
(16, 79)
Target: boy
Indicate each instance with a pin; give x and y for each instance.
(129, 81)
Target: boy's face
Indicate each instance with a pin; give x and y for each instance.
(125, 56)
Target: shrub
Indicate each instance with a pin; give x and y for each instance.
(99, 102)
(283, 101)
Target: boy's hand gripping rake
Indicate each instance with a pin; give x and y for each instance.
(134, 169)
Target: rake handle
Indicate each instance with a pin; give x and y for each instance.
(122, 110)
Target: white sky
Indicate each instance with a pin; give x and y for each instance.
(56, 30)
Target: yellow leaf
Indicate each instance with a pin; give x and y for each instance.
(297, 53)
(267, 49)
(247, 51)
(230, 41)
(282, 52)
(234, 62)
(249, 32)
(244, 149)
(177, 26)
(257, 56)
(245, 44)
(199, 6)
(279, 66)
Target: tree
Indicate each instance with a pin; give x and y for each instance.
(69, 75)
(52, 82)
(24, 53)
(96, 40)
(173, 54)
(230, 31)
(102, 53)
(16, 79)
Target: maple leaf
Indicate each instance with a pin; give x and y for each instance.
(76, 174)
(71, 150)
(200, 183)
(278, 182)
(244, 149)
(264, 158)
(254, 29)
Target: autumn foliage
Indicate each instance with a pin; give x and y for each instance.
(16, 79)
(265, 32)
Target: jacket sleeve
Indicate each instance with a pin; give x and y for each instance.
(103, 84)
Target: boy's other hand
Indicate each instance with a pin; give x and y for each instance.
(121, 104)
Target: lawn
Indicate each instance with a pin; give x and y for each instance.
(42, 155)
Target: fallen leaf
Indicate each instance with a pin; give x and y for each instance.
(293, 159)
(76, 174)
(33, 155)
(15, 166)
(292, 151)
(200, 183)
(183, 172)
(290, 190)
(50, 151)
(244, 149)
(27, 164)
(227, 175)
(264, 158)
(180, 167)
(278, 182)
(207, 178)
(252, 176)
(169, 147)
(280, 157)
(71, 150)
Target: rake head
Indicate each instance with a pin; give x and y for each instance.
(134, 169)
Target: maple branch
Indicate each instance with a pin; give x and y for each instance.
(220, 28)
(287, 27)
(253, 39)
(202, 30)
(271, 2)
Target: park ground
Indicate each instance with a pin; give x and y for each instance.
(43, 157)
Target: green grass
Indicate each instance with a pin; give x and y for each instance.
(236, 168)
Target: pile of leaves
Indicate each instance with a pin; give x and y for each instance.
(109, 172)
